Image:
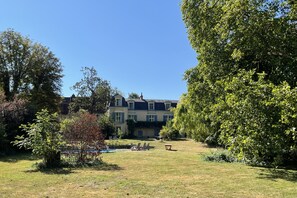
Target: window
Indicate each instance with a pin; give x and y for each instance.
(132, 117)
(119, 117)
(151, 118)
(131, 105)
(167, 106)
(118, 102)
(167, 117)
(151, 106)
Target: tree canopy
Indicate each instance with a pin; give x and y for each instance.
(133, 96)
(30, 70)
(247, 56)
(93, 93)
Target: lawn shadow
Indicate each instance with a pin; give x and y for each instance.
(104, 166)
(53, 171)
(17, 157)
(274, 174)
(171, 150)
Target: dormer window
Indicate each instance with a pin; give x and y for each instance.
(118, 102)
(131, 105)
(151, 105)
(167, 106)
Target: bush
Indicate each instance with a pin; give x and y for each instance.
(107, 126)
(43, 138)
(169, 132)
(82, 133)
(220, 156)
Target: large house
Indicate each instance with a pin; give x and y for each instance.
(149, 115)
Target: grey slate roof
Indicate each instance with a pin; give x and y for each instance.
(142, 104)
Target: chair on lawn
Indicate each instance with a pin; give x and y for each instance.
(144, 146)
(135, 148)
(147, 146)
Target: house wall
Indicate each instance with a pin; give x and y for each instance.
(123, 126)
(141, 114)
(144, 132)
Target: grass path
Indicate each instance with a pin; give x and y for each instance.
(153, 173)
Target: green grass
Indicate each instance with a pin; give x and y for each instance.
(153, 173)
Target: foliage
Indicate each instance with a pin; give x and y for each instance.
(220, 156)
(121, 133)
(13, 113)
(30, 80)
(30, 70)
(131, 127)
(169, 132)
(258, 119)
(133, 96)
(145, 124)
(83, 132)
(106, 126)
(93, 93)
(246, 62)
(43, 137)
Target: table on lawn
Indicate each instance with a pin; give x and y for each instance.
(168, 146)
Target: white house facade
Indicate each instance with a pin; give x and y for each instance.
(149, 115)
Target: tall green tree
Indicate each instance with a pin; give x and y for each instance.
(29, 70)
(232, 37)
(93, 93)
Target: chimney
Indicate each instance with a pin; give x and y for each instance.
(141, 96)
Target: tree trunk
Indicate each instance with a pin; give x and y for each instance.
(53, 159)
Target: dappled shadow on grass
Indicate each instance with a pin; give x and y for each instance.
(104, 166)
(53, 171)
(145, 139)
(17, 157)
(68, 169)
(274, 174)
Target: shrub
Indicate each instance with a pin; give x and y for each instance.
(43, 137)
(169, 132)
(83, 133)
(220, 156)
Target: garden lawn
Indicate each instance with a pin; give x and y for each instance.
(153, 173)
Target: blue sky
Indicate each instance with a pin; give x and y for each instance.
(137, 45)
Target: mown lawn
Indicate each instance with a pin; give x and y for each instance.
(153, 173)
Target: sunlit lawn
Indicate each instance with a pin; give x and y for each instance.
(153, 173)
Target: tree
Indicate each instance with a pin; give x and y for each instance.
(13, 113)
(169, 132)
(44, 78)
(257, 119)
(106, 126)
(133, 96)
(29, 70)
(93, 93)
(43, 137)
(239, 40)
(83, 131)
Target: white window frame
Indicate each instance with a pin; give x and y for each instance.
(118, 117)
(168, 117)
(151, 118)
(167, 108)
(132, 117)
(149, 106)
(117, 102)
(132, 105)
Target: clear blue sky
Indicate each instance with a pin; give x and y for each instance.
(137, 45)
